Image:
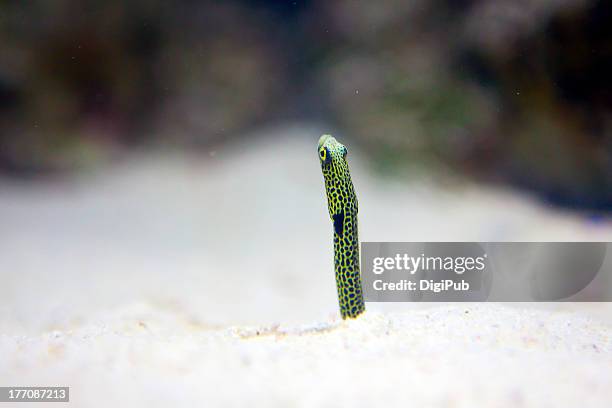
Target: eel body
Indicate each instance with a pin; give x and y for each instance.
(342, 204)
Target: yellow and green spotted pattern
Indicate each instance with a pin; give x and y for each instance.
(342, 203)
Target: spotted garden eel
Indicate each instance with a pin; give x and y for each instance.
(342, 204)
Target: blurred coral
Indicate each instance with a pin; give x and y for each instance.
(510, 91)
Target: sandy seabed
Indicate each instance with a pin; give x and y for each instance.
(207, 281)
(448, 356)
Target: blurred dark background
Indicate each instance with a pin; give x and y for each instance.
(507, 91)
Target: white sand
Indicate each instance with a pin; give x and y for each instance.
(448, 356)
(147, 284)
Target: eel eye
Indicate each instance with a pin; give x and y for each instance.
(344, 151)
(324, 155)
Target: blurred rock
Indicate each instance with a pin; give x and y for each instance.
(509, 91)
(97, 76)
